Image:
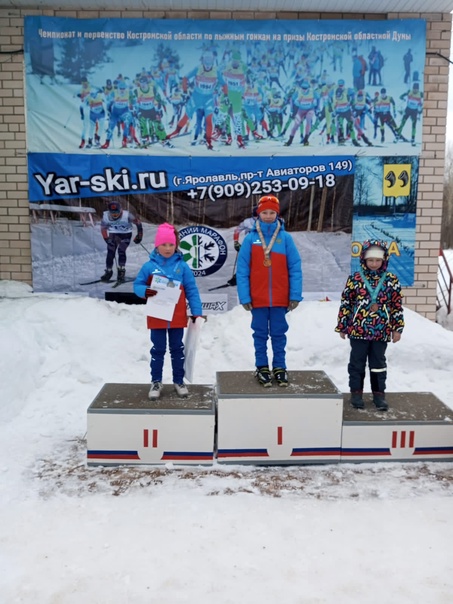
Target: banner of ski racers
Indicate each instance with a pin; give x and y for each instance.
(211, 112)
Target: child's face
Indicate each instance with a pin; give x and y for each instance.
(268, 215)
(374, 264)
(166, 249)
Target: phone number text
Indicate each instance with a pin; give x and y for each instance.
(263, 187)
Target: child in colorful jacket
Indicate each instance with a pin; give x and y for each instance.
(166, 261)
(371, 315)
(269, 284)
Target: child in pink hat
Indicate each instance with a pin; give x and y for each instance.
(167, 261)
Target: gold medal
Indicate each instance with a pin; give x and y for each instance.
(374, 307)
(267, 261)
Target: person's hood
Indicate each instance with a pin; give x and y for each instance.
(374, 243)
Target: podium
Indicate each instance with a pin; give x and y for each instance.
(417, 426)
(237, 421)
(125, 427)
(297, 424)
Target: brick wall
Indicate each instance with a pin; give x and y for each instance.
(15, 253)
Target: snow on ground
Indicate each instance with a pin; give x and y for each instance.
(333, 534)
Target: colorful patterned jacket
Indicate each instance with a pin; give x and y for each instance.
(274, 285)
(356, 318)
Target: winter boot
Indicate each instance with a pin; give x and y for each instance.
(155, 390)
(181, 390)
(379, 401)
(289, 142)
(82, 144)
(121, 276)
(106, 145)
(89, 144)
(367, 141)
(107, 275)
(280, 376)
(263, 375)
(240, 141)
(357, 400)
(355, 142)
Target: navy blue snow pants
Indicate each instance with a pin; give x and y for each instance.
(159, 346)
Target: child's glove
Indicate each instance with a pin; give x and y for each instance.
(247, 306)
(293, 304)
(138, 238)
(149, 293)
(237, 246)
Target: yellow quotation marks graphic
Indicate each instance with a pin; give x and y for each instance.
(397, 180)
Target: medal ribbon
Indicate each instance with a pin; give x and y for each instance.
(373, 291)
(267, 249)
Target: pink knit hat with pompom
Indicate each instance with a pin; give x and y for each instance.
(165, 234)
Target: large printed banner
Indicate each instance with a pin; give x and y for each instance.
(192, 121)
(118, 106)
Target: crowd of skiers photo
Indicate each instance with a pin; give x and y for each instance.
(252, 93)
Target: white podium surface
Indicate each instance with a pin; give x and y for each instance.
(299, 424)
(125, 428)
(417, 426)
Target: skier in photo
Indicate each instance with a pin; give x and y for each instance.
(148, 107)
(95, 103)
(200, 85)
(342, 110)
(414, 109)
(82, 95)
(116, 229)
(234, 82)
(407, 60)
(359, 68)
(370, 315)
(306, 100)
(120, 113)
(269, 282)
(385, 112)
(166, 263)
(360, 109)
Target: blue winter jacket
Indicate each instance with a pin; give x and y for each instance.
(177, 269)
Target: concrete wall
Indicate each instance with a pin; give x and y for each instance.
(15, 253)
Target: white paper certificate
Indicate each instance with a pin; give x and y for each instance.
(162, 305)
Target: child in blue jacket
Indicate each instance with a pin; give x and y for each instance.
(167, 262)
(269, 283)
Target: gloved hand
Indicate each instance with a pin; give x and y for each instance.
(247, 306)
(149, 293)
(237, 246)
(108, 240)
(193, 318)
(138, 238)
(293, 304)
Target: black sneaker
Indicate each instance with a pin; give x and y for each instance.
(281, 376)
(263, 375)
(379, 401)
(107, 275)
(357, 400)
